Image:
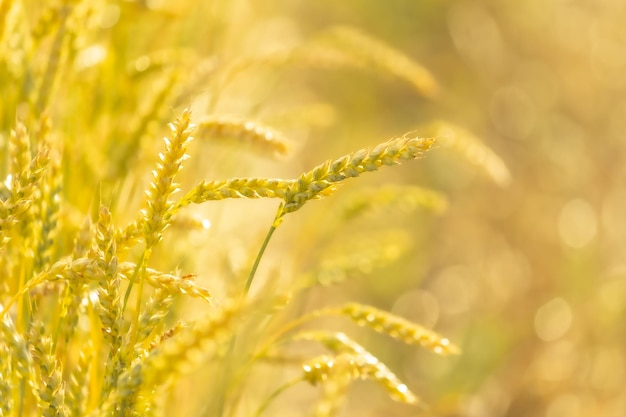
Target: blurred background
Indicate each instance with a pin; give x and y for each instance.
(527, 276)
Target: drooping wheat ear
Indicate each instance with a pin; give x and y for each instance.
(172, 284)
(175, 355)
(311, 184)
(372, 53)
(19, 361)
(78, 386)
(236, 188)
(360, 255)
(372, 368)
(267, 140)
(398, 328)
(159, 207)
(49, 384)
(404, 197)
(334, 374)
(476, 152)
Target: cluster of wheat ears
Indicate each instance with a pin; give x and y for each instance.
(88, 327)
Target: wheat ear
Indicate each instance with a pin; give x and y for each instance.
(262, 137)
(366, 365)
(314, 183)
(159, 208)
(397, 327)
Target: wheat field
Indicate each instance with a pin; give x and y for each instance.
(272, 208)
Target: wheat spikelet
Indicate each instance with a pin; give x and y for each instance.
(473, 149)
(404, 197)
(236, 188)
(50, 388)
(262, 137)
(322, 177)
(398, 328)
(159, 207)
(373, 53)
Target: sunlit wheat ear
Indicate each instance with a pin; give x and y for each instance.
(469, 146)
(401, 197)
(177, 354)
(346, 367)
(159, 207)
(78, 383)
(109, 281)
(263, 138)
(49, 384)
(397, 327)
(172, 284)
(372, 53)
(236, 188)
(19, 360)
(360, 255)
(341, 344)
(311, 184)
(153, 314)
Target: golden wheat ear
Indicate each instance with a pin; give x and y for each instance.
(267, 140)
(361, 49)
(362, 254)
(397, 328)
(473, 149)
(364, 364)
(405, 198)
(321, 179)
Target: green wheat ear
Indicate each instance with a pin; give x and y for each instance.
(323, 178)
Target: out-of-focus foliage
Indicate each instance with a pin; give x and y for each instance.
(527, 273)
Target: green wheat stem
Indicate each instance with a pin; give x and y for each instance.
(275, 394)
(257, 261)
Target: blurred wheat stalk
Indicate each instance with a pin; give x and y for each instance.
(88, 327)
